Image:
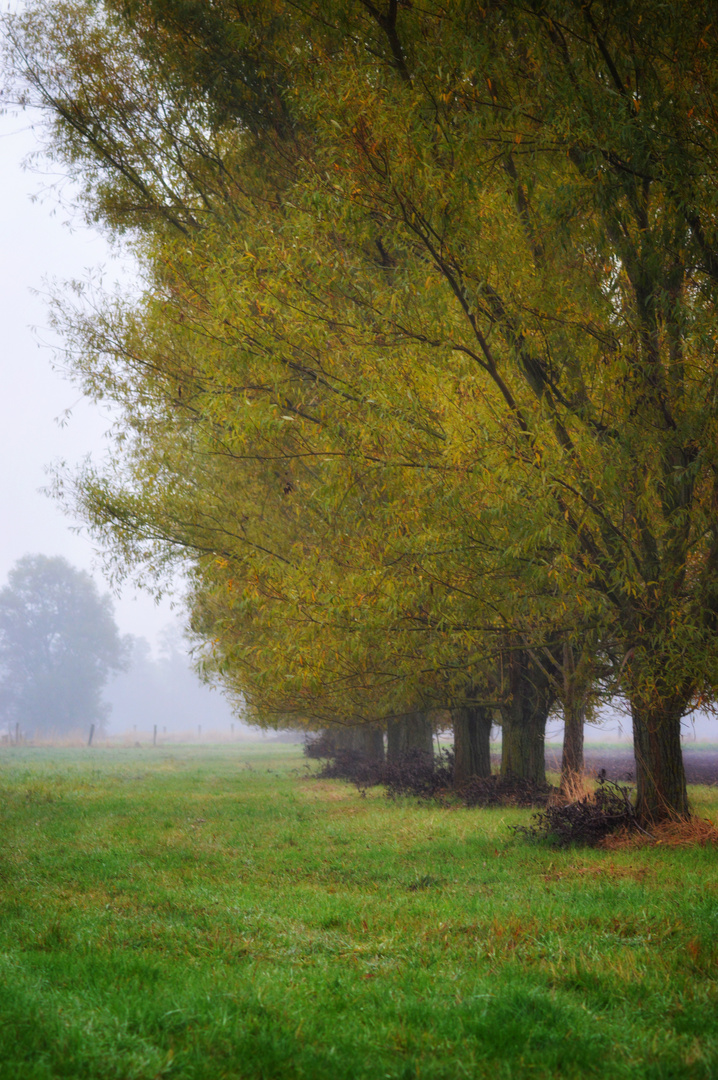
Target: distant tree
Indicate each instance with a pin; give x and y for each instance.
(58, 644)
(165, 691)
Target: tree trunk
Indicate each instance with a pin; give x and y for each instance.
(369, 740)
(366, 739)
(472, 732)
(524, 719)
(336, 738)
(522, 747)
(412, 731)
(572, 762)
(660, 776)
(395, 743)
(574, 713)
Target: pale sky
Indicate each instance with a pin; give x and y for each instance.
(37, 245)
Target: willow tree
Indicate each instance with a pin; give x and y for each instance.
(181, 366)
(472, 247)
(321, 579)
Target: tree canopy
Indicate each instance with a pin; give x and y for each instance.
(58, 645)
(423, 378)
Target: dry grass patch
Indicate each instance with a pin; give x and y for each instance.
(574, 787)
(688, 832)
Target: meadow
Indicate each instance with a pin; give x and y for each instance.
(216, 912)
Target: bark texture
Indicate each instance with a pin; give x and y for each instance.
(524, 718)
(574, 715)
(572, 762)
(472, 731)
(660, 776)
(413, 731)
(366, 739)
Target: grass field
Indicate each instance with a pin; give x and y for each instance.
(213, 912)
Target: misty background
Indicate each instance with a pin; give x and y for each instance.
(160, 687)
(44, 420)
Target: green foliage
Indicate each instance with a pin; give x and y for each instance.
(427, 357)
(215, 913)
(58, 645)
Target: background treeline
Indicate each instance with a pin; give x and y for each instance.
(164, 691)
(419, 381)
(66, 671)
(59, 645)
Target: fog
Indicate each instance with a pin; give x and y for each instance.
(164, 691)
(44, 419)
(613, 724)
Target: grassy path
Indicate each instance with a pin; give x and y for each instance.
(211, 912)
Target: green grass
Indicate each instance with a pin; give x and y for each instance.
(211, 912)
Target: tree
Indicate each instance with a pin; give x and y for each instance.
(462, 261)
(58, 644)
